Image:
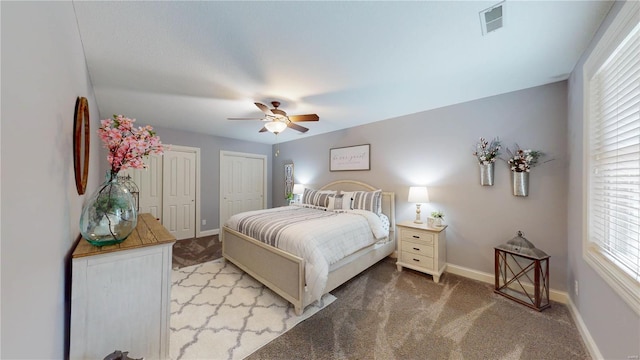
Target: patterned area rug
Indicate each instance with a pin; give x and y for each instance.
(220, 312)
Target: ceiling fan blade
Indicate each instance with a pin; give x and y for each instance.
(263, 129)
(307, 117)
(302, 129)
(253, 118)
(264, 108)
(278, 112)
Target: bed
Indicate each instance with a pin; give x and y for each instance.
(285, 273)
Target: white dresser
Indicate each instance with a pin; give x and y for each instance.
(120, 295)
(422, 248)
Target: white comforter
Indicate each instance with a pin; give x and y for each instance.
(320, 241)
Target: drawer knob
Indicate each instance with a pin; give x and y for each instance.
(416, 260)
(416, 249)
(416, 237)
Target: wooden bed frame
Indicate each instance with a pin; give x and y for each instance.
(284, 273)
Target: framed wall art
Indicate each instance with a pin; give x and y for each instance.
(81, 139)
(288, 180)
(350, 158)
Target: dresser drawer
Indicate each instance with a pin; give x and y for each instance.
(417, 260)
(415, 247)
(416, 236)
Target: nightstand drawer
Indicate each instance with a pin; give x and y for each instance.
(417, 236)
(417, 260)
(415, 247)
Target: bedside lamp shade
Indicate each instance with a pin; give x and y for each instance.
(418, 195)
(298, 189)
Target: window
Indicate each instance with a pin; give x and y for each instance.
(612, 155)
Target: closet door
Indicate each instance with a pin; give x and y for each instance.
(149, 182)
(242, 183)
(179, 193)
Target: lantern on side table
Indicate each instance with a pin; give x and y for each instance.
(522, 273)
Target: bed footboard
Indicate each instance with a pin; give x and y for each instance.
(278, 270)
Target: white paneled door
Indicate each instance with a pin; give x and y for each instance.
(179, 193)
(242, 183)
(149, 182)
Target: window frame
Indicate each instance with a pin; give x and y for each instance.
(620, 281)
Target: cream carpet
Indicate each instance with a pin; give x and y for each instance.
(219, 312)
(385, 314)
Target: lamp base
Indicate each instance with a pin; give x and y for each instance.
(417, 220)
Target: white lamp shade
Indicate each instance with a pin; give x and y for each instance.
(298, 189)
(418, 194)
(275, 126)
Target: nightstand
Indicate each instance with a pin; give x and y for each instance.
(422, 248)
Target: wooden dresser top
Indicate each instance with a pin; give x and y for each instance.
(148, 232)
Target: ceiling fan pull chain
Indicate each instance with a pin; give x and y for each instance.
(277, 146)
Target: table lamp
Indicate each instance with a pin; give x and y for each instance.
(418, 195)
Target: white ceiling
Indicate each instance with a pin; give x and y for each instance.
(191, 65)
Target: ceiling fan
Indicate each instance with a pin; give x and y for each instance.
(278, 120)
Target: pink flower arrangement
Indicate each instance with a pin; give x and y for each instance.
(127, 144)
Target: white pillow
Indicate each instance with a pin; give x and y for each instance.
(346, 199)
(336, 202)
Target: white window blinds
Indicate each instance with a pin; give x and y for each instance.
(614, 184)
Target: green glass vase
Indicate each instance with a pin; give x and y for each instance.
(109, 216)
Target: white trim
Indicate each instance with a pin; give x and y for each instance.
(195, 150)
(209, 232)
(591, 345)
(554, 295)
(626, 20)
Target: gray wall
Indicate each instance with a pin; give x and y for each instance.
(614, 326)
(43, 71)
(434, 148)
(210, 147)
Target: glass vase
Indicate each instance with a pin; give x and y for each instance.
(109, 216)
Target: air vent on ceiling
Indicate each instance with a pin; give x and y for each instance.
(492, 19)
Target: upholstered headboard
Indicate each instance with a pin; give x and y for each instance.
(388, 198)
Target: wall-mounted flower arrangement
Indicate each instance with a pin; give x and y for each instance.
(520, 163)
(487, 154)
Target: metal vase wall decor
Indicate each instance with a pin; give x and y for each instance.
(521, 161)
(486, 174)
(487, 154)
(520, 183)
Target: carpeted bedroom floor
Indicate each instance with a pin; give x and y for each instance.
(386, 314)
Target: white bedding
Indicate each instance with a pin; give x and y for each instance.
(320, 241)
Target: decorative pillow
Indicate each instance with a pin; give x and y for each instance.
(367, 200)
(385, 221)
(347, 197)
(317, 198)
(335, 202)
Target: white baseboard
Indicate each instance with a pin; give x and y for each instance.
(555, 295)
(584, 332)
(209, 232)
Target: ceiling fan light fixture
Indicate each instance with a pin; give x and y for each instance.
(275, 127)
